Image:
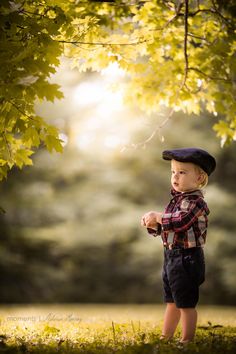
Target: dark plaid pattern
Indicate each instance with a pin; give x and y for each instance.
(184, 222)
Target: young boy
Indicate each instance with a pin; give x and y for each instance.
(183, 228)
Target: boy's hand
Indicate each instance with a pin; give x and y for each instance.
(151, 219)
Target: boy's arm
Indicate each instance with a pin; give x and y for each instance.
(152, 221)
(182, 220)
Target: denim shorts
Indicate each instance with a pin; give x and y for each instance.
(183, 273)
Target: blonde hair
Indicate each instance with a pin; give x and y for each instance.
(205, 179)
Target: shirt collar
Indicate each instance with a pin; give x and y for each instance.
(197, 192)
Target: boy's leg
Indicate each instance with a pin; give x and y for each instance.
(188, 321)
(171, 320)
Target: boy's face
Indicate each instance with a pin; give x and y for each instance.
(185, 176)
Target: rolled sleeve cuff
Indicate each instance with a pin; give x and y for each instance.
(167, 222)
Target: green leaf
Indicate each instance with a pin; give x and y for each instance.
(31, 137)
(53, 143)
(22, 157)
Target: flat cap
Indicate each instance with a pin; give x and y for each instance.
(197, 156)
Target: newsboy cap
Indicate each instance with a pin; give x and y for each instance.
(197, 156)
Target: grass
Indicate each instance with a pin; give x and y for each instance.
(107, 329)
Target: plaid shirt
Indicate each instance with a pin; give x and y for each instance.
(184, 222)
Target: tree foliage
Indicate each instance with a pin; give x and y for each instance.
(180, 54)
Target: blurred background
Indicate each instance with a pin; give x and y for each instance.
(71, 232)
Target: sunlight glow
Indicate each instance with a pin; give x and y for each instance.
(103, 124)
(113, 71)
(88, 93)
(112, 141)
(64, 138)
(84, 140)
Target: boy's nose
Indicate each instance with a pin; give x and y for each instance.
(176, 176)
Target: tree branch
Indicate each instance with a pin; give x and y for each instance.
(214, 11)
(198, 37)
(7, 144)
(221, 16)
(19, 110)
(185, 44)
(114, 4)
(192, 14)
(101, 43)
(156, 131)
(186, 69)
(209, 76)
(29, 13)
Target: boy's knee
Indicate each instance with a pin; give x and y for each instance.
(188, 310)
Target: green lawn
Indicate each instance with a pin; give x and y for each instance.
(109, 329)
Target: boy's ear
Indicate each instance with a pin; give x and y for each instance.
(201, 177)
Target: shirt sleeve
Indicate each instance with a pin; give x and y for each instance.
(182, 219)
